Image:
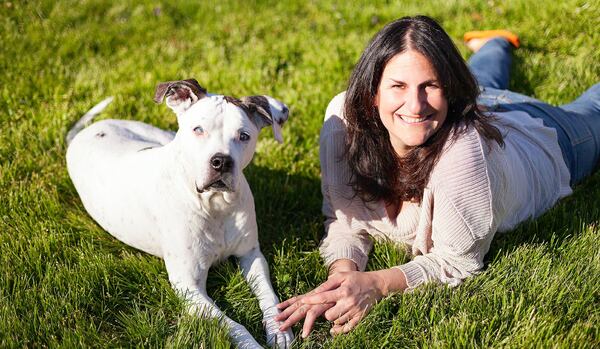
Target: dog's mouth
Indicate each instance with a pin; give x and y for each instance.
(216, 185)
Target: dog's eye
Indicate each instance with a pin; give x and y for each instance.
(244, 136)
(198, 130)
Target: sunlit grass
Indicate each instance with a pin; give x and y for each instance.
(66, 282)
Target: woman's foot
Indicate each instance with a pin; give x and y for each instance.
(476, 39)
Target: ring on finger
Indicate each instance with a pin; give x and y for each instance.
(341, 320)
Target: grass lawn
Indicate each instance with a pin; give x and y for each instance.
(65, 282)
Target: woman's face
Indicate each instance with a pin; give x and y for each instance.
(410, 100)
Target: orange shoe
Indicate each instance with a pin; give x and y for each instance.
(483, 34)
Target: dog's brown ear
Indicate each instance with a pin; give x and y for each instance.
(267, 111)
(180, 95)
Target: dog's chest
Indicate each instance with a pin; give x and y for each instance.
(214, 238)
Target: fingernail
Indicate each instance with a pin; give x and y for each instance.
(304, 334)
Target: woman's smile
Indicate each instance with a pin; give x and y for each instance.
(413, 119)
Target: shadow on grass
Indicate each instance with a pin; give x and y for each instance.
(288, 206)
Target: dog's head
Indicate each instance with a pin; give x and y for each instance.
(217, 134)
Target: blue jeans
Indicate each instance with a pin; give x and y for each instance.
(577, 124)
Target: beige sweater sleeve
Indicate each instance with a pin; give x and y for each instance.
(346, 234)
(462, 223)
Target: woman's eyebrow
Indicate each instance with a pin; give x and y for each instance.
(426, 82)
(397, 81)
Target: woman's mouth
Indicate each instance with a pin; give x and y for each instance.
(414, 119)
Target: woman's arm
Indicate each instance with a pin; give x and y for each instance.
(346, 236)
(342, 265)
(354, 293)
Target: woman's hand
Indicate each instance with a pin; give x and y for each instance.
(349, 296)
(294, 310)
(345, 298)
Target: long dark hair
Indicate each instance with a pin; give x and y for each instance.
(377, 171)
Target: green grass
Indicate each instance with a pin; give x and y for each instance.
(64, 282)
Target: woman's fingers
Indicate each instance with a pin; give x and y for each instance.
(336, 312)
(346, 327)
(348, 321)
(311, 315)
(340, 320)
(288, 302)
(309, 321)
(333, 282)
(288, 311)
(322, 297)
(345, 298)
(298, 314)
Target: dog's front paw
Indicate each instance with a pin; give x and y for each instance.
(275, 337)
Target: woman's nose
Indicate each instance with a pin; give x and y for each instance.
(416, 101)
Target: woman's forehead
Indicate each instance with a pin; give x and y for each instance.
(408, 65)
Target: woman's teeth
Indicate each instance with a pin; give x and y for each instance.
(413, 120)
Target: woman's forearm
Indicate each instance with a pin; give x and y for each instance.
(390, 281)
(342, 265)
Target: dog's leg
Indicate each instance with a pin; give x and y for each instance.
(188, 278)
(255, 270)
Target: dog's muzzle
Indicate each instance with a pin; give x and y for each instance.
(222, 166)
(217, 184)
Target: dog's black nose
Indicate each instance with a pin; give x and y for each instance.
(221, 162)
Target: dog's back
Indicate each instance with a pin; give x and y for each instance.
(113, 163)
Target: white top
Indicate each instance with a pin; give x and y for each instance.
(476, 189)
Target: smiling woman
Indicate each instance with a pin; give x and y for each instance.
(407, 154)
(410, 101)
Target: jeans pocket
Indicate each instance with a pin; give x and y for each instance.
(575, 128)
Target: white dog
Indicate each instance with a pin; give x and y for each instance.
(182, 196)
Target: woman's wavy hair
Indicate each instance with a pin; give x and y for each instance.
(378, 173)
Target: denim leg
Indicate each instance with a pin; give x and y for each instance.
(585, 110)
(577, 124)
(491, 64)
(586, 104)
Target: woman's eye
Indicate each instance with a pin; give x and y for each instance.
(244, 136)
(198, 130)
(433, 85)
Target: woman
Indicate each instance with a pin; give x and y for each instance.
(408, 155)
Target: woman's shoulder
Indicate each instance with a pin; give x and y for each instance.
(336, 105)
(463, 167)
(463, 155)
(334, 116)
(461, 180)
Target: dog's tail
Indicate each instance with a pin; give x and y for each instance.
(86, 119)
